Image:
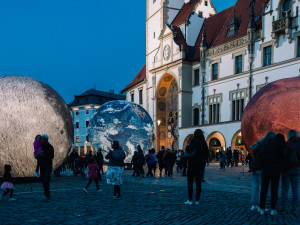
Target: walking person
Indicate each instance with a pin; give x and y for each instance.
(7, 184)
(256, 168)
(150, 163)
(155, 161)
(271, 159)
(196, 155)
(93, 174)
(169, 162)
(115, 168)
(38, 150)
(236, 157)
(73, 156)
(46, 165)
(160, 156)
(100, 161)
(228, 156)
(140, 162)
(222, 158)
(133, 162)
(291, 171)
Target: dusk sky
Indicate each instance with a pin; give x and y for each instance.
(73, 45)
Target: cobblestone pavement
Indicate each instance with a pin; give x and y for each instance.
(225, 199)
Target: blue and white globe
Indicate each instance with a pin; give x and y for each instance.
(123, 121)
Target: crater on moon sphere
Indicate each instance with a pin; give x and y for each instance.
(29, 107)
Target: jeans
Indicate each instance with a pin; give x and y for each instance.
(45, 179)
(268, 175)
(194, 172)
(140, 170)
(169, 169)
(292, 177)
(256, 186)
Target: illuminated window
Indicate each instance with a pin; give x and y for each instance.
(77, 139)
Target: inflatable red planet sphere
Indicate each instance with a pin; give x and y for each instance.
(276, 107)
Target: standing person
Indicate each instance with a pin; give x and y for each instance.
(115, 168)
(196, 154)
(236, 157)
(155, 161)
(271, 159)
(37, 145)
(168, 160)
(73, 156)
(291, 172)
(150, 160)
(222, 158)
(82, 164)
(256, 168)
(228, 156)
(93, 174)
(249, 161)
(46, 165)
(7, 185)
(99, 160)
(212, 153)
(160, 157)
(178, 161)
(133, 161)
(140, 162)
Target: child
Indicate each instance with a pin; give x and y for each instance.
(7, 184)
(93, 167)
(37, 150)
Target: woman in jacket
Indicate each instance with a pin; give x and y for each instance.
(115, 168)
(291, 172)
(196, 155)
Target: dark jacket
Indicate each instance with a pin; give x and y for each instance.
(256, 160)
(169, 157)
(272, 155)
(7, 177)
(201, 154)
(47, 156)
(292, 156)
(116, 158)
(140, 158)
(99, 158)
(228, 153)
(160, 156)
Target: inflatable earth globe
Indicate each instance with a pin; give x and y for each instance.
(122, 121)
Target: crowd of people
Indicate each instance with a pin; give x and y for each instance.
(272, 158)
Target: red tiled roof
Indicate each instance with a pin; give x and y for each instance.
(185, 11)
(216, 25)
(138, 78)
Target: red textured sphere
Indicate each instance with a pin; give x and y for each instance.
(276, 107)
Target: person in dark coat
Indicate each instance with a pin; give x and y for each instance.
(46, 165)
(228, 156)
(291, 170)
(196, 154)
(133, 162)
(169, 160)
(140, 161)
(100, 161)
(73, 156)
(271, 159)
(236, 157)
(160, 156)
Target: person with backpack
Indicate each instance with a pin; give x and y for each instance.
(291, 170)
(196, 154)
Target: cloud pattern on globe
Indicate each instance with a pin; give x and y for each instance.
(123, 121)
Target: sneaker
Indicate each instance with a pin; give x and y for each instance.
(12, 199)
(188, 202)
(197, 202)
(36, 174)
(84, 190)
(254, 208)
(273, 212)
(261, 212)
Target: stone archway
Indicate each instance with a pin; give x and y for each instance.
(187, 141)
(237, 142)
(214, 142)
(167, 113)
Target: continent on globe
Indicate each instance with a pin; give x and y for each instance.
(126, 122)
(273, 108)
(30, 107)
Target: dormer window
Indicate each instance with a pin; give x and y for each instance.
(233, 27)
(286, 8)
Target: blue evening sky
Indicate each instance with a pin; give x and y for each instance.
(73, 45)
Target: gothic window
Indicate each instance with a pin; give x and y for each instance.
(196, 117)
(286, 8)
(237, 104)
(196, 77)
(267, 56)
(214, 103)
(233, 27)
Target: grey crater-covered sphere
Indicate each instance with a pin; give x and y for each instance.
(123, 121)
(29, 107)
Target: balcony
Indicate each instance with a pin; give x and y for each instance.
(282, 26)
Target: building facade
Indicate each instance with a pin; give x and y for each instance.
(82, 109)
(203, 67)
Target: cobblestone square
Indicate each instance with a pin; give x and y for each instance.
(225, 199)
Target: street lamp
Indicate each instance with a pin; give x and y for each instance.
(158, 134)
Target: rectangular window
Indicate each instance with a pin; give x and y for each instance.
(77, 139)
(238, 64)
(267, 56)
(77, 113)
(77, 125)
(141, 96)
(298, 46)
(210, 114)
(154, 35)
(214, 113)
(196, 77)
(237, 109)
(87, 112)
(132, 97)
(87, 123)
(214, 75)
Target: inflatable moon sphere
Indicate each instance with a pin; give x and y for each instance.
(276, 107)
(29, 107)
(123, 121)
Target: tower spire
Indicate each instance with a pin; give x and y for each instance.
(204, 42)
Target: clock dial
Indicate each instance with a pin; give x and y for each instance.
(167, 52)
(169, 127)
(169, 134)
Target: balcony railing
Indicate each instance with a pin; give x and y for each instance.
(280, 25)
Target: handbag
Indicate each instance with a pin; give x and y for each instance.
(187, 155)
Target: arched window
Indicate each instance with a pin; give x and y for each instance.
(286, 8)
(196, 117)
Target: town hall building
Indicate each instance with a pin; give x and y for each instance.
(203, 67)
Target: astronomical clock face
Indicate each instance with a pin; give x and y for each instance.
(169, 135)
(167, 52)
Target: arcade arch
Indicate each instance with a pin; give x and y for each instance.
(237, 142)
(187, 141)
(215, 141)
(167, 113)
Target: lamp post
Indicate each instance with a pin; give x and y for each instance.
(158, 134)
